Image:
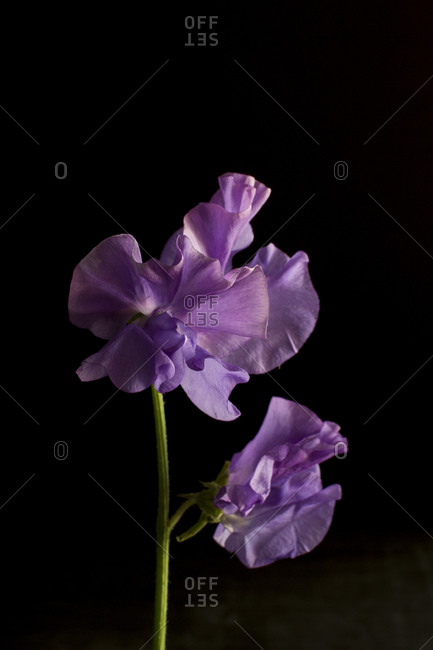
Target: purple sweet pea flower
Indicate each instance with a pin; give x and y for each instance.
(189, 319)
(274, 504)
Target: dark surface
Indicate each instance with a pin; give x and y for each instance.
(77, 571)
(352, 592)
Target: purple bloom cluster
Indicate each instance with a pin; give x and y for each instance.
(274, 504)
(189, 318)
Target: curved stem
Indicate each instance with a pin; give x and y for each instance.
(179, 513)
(195, 528)
(162, 527)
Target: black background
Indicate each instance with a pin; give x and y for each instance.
(145, 125)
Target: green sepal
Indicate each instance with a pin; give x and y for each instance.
(204, 499)
(220, 480)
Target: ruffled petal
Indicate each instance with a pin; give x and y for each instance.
(162, 282)
(170, 336)
(240, 192)
(130, 359)
(194, 274)
(216, 228)
(106, 290)
(248, 494)
(235, 195)
(169, 252)
(288, 531)
(291, 433)
(134, 361)
(293, 312)
(213, 231)
(206, 300)
(220, 228)
(208, 382)
(242, 241)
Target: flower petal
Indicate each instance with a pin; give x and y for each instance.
(240, 192)
(289, 531)
(216, 228)
(213, 231)
(248, 494)
(170, 336)
(194, 274)
(220, 228)
(293, 312)
(208, 382)
(169, 252)
(133, 361)
(206, 300)
(306, 439)
(106, 290)
(242, 241)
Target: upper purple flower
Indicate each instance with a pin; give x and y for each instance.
(274, 504)
(189, 318)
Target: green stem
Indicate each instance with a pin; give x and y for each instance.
(162, 527)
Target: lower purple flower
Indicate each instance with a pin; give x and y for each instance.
(274, 503)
